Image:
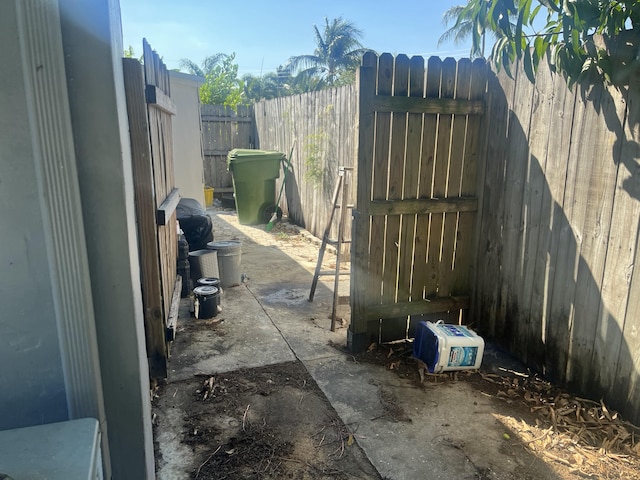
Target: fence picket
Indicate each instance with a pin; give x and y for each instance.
(411, 180)
(429, 130)
(465, 268)
(392, 329)
(435, 265)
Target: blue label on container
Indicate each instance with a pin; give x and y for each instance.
(462, 356)
(454, 331)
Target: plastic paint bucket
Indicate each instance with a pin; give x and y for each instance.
(203, 263)
(443, 347)
(206, 302)
(229, 255)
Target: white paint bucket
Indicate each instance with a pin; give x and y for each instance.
(444, 347)
(229, 256)
(203, 263)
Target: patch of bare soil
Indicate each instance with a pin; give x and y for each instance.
(264, 423)
(577, 437)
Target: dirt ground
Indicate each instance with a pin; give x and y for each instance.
(266, 423)
(275, 422)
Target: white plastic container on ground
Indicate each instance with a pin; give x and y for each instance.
(445, 347)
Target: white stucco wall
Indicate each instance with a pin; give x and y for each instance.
(70, 282)
(31, 372)
(188, 163)
(92, 38)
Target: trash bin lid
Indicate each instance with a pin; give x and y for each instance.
(238, 155)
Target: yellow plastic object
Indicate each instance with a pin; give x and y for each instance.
(208, 196)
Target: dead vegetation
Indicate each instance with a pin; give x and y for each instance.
(264, 423)
(582, 436)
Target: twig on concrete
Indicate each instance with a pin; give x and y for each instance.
(244, 418)
(208, 458)
(556, 458)
(546, 432)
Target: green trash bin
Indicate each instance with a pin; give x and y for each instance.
(254, 174)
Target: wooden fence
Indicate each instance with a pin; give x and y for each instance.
(224, 129)
(556, 281)
(149, 108)
(558, 195)
(323, 127)
(416, 201)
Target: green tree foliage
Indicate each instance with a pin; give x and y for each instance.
(221, 83)
(338, 51)
(129, 53)
(583, 39)
(268, 86)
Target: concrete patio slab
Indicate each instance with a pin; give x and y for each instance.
(435, 431)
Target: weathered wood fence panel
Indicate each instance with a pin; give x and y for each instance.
(556, 281)
(409, 234)
(323, 126)
(224, 129)
(160, 110)
(149, 109)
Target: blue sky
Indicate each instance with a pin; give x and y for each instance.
(264, 34)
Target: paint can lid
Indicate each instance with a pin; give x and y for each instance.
(205, 290)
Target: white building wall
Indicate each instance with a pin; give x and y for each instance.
(188, 162)
(31, 372)
(92, 38)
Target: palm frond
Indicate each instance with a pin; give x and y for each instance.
(452, 14)
(303, 62)
(213, 60)
(190, 66)
(456, 34)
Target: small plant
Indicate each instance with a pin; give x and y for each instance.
(314, 158)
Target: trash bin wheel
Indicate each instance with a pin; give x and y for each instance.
(268, 213)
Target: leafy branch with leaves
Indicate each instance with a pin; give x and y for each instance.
(594, 40)
(221, 83)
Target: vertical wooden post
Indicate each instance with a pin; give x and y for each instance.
(357, 336)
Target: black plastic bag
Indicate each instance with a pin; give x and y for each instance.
(195, 223)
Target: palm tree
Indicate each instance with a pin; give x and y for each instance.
(207, 64)
(473, 20)
(338, 50)
(460, 31)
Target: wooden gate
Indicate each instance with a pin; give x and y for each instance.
(416, 200)
(149, 109)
